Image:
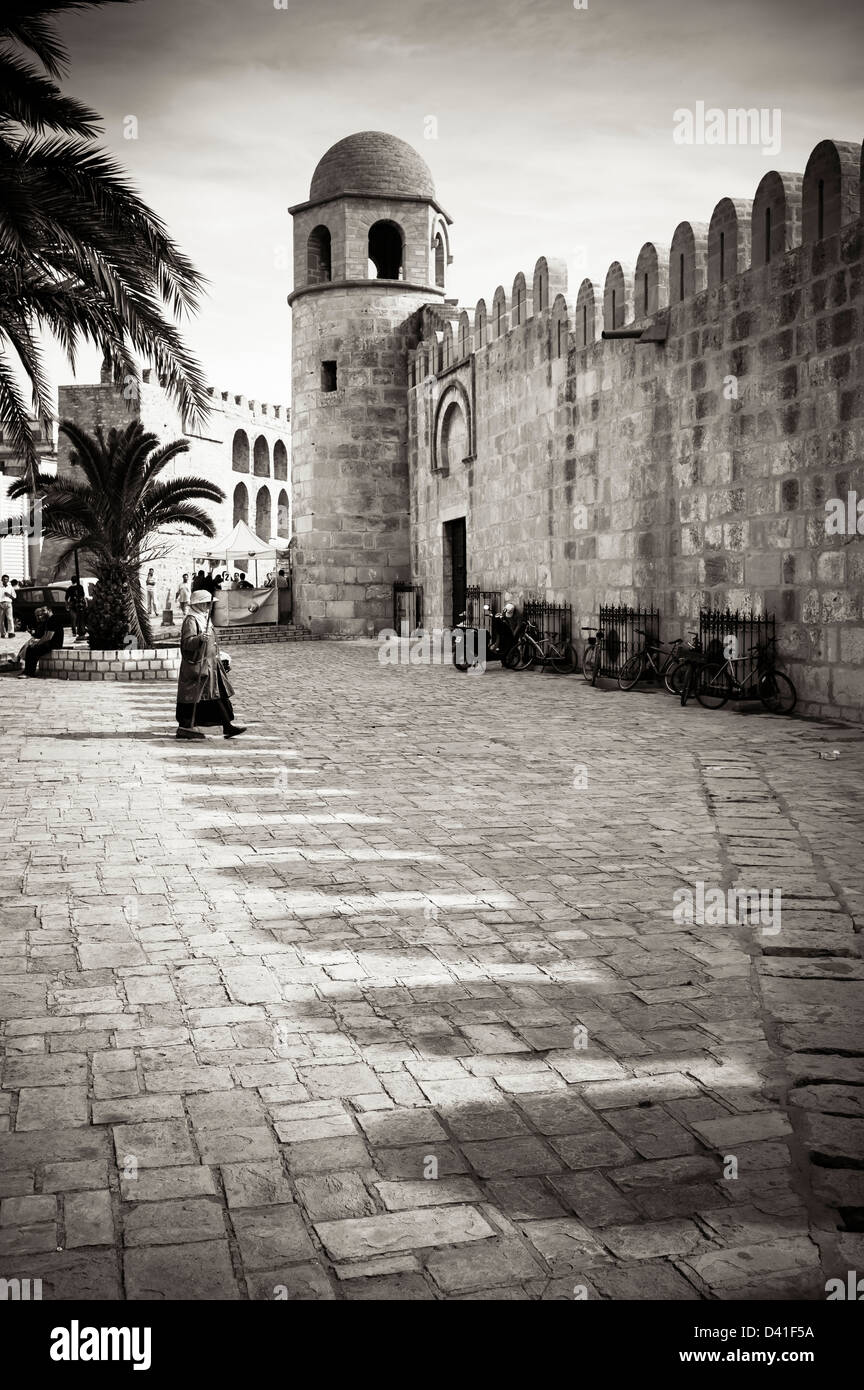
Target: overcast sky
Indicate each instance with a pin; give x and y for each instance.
(554, 127)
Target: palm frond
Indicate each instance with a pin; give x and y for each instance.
(32, 24)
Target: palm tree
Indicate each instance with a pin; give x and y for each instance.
(81, 255)
(115, 514)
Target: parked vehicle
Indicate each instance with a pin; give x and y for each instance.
(749, 677)
(501, 638)
(53, 596)
(592, 656)
(654, 658)
(468, 644)
(554, 653)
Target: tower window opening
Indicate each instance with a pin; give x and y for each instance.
(329, 376)
(614, 310)
(645, 283)
(560, 331)
(681, 276)
(722, 255)
(385, 251)
(767, 235)
(438, 248)
(318, 257)
(820, 232)
(584, 325)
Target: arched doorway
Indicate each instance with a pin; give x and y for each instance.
(240, 452)
(261, 458)
(283, 516)
(263, 514)
(241, 504)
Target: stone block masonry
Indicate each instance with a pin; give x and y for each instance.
(369, 253)
(81, 664)
(688, 472)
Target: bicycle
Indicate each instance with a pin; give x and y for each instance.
(759, 680)
(683, 678)
(529, 648)
(649, 655)
(592, 655)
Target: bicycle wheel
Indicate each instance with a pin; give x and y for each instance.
(777, 693)
(684, 681)
(712, 686)
(528, 654)
(524, 656)
(589, 657)
(631, 671)
(563, 660)
(672, 676)
(512, 660)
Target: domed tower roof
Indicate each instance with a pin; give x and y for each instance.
(373, 163)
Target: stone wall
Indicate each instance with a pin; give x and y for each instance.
(686, 473)
(350, 452)
(80, 664)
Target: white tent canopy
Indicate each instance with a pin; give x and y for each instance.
(241, 543)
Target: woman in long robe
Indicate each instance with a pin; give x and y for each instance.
(203, 689)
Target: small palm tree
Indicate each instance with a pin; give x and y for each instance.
(116, 516)
(82, 256)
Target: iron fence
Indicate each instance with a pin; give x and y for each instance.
(623, 628)
(476, 601)
(727, 634)
(550, 619)
(407, 607)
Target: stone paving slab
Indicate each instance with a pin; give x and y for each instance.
(383, 1001)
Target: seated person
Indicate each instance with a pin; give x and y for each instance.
(47, 637)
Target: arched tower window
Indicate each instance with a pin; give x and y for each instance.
(440, 259)
(263, 514)
(454, 437)
(280, 461)
(240, 452)
(283, 516)
(261, 458)
(241, 504)
(318, 257)
(385, 251)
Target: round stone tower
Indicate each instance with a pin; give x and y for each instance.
(371, 246)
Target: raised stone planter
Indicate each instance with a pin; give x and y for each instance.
(80, 664)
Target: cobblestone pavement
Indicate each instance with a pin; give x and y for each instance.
(387, 1000)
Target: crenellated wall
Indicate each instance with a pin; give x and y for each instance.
(687, 472)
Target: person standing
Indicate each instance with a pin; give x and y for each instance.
(7, 598)
(76, 602)
(203, 689)
(150, 585)
(183, 595)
